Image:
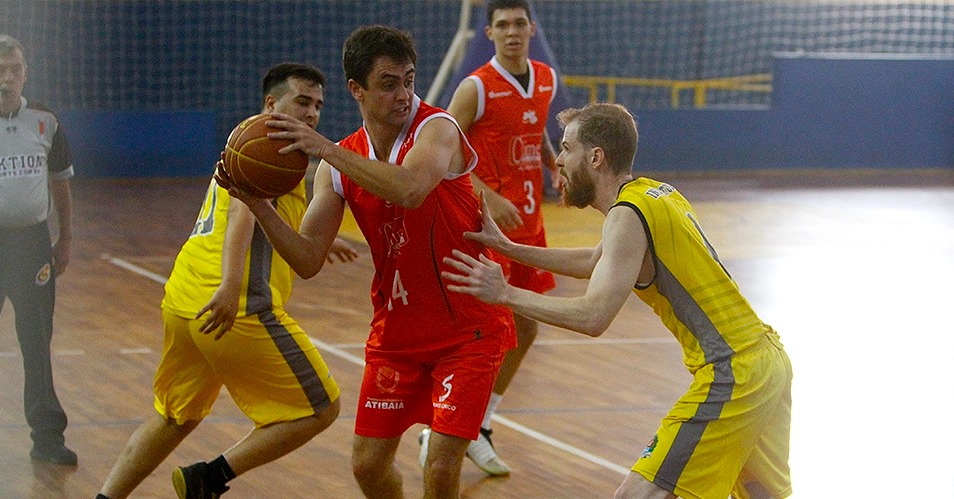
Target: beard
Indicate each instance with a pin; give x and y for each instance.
(579, 190)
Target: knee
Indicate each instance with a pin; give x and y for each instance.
(328, 415)
(636, 486)
(366, 469)
(442, 475)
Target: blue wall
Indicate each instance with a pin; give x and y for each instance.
(828, 111)
(143, 63)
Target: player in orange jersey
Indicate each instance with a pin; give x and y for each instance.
(503, 108)
(431, 356)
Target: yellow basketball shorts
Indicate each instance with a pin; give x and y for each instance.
(730, 432)
(267, 363)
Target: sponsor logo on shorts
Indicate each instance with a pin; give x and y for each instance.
(43, 275)
(448, 388)
(648, 451)
(384, 404)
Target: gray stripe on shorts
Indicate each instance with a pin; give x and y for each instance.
(690, 432)
(307, 377)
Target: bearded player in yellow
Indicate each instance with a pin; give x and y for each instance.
(729, 434)
(225, 324)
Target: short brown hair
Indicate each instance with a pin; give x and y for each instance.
(608, 126)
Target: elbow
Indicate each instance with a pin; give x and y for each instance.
(411, 200)
(308, 271)
(594, 327)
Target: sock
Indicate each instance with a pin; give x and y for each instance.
(495, 399)
(219, 473)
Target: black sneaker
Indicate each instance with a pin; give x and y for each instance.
(56, 454)
(190, 483)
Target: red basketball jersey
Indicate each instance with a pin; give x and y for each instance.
(413, 310)
(507, 134)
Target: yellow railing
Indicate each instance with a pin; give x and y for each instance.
(748, 83)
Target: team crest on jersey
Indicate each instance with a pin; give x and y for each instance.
(530, 117)
(42, 126)
(387, 379)
(43, 275)
(394, 235)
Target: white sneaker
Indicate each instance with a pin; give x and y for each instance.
(482, 453)
(423, 439)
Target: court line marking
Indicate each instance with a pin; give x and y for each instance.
(326, 347)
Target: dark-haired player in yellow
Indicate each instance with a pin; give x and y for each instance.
(225, 324)
(729, 434)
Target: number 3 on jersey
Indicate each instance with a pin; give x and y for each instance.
(397, 291)
(531, 205)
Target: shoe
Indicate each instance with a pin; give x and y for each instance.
(56, 454)
(189, 482)
(482, 453)
(423, 439)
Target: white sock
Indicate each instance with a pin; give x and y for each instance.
(491, 409)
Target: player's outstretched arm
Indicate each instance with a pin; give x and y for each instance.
(573, 262)
(612, 280)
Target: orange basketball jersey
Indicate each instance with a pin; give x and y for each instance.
(413, 310)
(507, 134)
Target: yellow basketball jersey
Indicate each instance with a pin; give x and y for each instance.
(691, 291)
(267, 279)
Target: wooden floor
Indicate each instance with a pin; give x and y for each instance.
(854, 269)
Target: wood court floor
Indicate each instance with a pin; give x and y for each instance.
(854, 269)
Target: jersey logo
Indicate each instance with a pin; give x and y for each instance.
(42, 127)
(544, 88)
(530, 117)
(11, 129)
(395, 235)
(662, 190)
(494, 95)
(525, 149)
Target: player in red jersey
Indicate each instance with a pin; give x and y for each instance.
(432, 356)
(503, 107)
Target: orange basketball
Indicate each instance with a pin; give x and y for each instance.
(254, 163)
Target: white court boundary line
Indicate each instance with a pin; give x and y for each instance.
(325, 347)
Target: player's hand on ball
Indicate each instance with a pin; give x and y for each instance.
(303, 137)
(481, 278)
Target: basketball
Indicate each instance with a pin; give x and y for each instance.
(254, 163)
